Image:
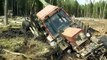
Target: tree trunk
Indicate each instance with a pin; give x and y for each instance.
(5, 13)
(104, 11)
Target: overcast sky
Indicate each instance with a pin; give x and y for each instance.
(87, 1)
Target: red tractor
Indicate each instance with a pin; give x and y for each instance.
(66, 35)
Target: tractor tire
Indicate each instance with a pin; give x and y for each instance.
(103, 40)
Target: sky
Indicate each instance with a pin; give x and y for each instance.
(86, 1)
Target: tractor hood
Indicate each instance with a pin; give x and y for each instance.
(70, 34)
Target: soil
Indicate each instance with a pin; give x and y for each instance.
(97, 24)
(14, 41)
(21, 47)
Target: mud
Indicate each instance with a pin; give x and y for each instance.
(16, 41)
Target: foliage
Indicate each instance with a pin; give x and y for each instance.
(23, 7)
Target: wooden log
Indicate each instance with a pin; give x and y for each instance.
(16, 54)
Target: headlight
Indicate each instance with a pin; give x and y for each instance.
(52, 43)
(49, 38)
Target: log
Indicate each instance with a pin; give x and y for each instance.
(14, 53)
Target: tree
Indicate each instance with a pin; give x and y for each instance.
(1, 7)
(104, 11)
(5, 13)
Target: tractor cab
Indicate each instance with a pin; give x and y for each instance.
(54, 19)
(57, 25)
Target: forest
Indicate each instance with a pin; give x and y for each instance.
(26, 33)
(92, 9)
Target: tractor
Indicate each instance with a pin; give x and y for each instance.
(65, 35)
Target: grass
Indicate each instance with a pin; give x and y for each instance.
(12, 43)
(33, 49)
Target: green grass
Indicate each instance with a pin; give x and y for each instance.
(12, 43)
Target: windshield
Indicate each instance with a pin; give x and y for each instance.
(57, 22)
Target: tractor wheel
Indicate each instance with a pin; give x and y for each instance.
(103, 40)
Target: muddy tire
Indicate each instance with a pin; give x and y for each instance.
(103, 40)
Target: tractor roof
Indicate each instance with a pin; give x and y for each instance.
(46, 12)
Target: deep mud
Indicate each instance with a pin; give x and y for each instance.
(16, 41)
(11, 33)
